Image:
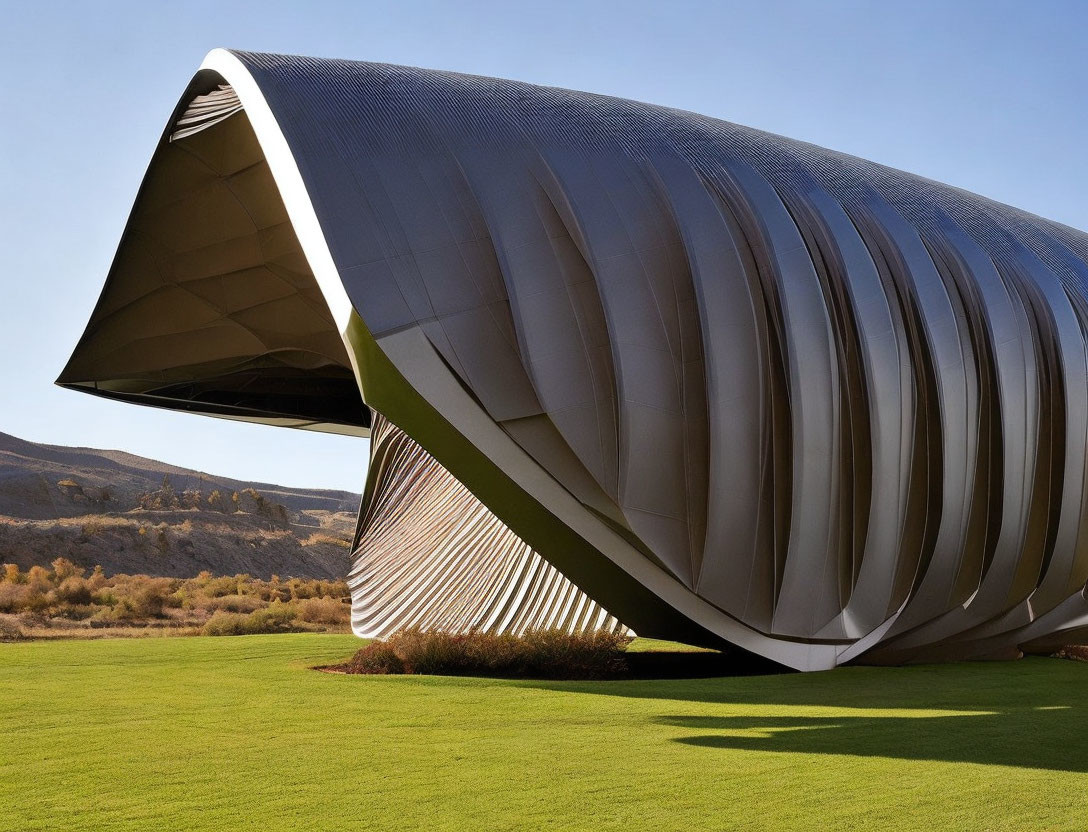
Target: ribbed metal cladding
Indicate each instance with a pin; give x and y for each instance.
(843, 405)
(206, 111)
(738, 389)
(428, 554)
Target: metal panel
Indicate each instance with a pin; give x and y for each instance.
(736, 389)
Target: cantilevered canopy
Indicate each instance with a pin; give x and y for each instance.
(211, 305)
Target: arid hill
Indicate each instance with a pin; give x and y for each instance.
(137, 515)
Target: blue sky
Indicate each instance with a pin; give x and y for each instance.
(989, 96)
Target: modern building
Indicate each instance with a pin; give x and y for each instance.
(622, 365)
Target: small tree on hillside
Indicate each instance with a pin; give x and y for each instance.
(98, 578)
(280, 516)
(64, 569)
(259, 501)
(39, 577)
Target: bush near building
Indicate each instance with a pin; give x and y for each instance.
(538, 654)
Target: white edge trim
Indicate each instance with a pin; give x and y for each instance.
(288, 179)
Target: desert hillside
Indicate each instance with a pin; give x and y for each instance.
(135, 515)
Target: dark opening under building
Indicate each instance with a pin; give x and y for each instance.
(621, 365)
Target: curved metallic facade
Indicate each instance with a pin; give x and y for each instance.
(430, 555)
(737, 389)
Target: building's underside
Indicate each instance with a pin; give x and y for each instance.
(624, 365)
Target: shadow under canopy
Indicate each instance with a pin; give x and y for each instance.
(210, 305)
(984, 713)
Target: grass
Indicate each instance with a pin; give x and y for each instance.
(230, 734)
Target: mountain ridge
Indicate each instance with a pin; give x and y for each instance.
(139, 515)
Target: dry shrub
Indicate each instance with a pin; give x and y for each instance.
(226, 624)
(271, 591)
(10, 630)
(74, 612)
(1076, 652)
(149, 602)
(63, 596)
(39, 577)
(276, 618)
(150, 598)
(63, 569)
(92, 528)
(97, 579)
(318, 538)
(540, 654)
(29, 620)
(74, 590)
(12, 597)
(232, 603)
(133, 598)
(121, 611)
(324, 611)
(218, 587)
(378, 657)
(583, 656)
(34, 598)
(105, 598)
(301, 589)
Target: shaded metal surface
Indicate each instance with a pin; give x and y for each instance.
(736, 388)
(428, 554)
(206, 111)
(210, 305)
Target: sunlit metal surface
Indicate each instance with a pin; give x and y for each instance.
(737, 389)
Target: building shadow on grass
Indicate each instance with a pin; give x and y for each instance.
(1024, 738)
(697, 664)
(1032, 713)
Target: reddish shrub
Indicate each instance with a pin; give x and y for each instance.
(1077, 652)
(542, 654)
(592, 655)
(378, 658)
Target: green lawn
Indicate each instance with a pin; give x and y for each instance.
(236, 733)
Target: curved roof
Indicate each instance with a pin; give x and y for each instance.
(724, 380)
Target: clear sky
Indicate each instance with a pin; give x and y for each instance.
(990, 96)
